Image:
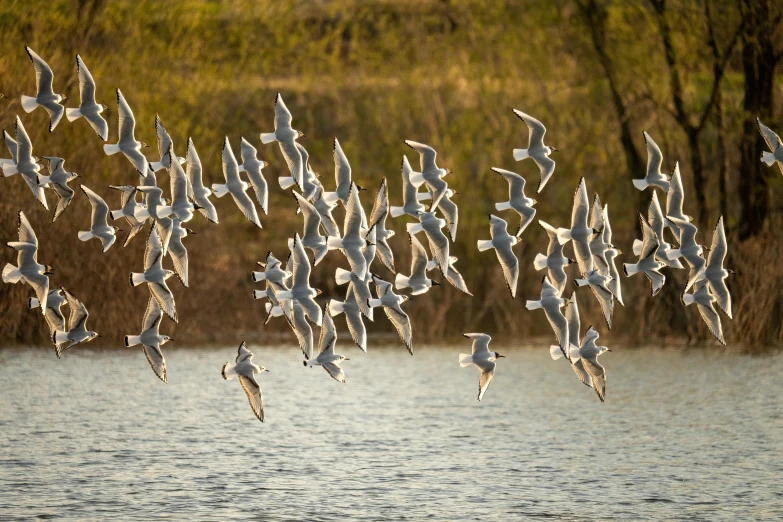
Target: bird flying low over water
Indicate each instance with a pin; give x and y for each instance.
(151, 340)
(155, 276)
(29, 270)
(588, 353)
(481, 358)
(244, 369)
(77, 326)
(326, 358)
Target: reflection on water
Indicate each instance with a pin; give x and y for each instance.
(683, 435)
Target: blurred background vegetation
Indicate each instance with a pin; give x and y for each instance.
(694, 74)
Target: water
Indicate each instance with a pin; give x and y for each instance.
(691, 435)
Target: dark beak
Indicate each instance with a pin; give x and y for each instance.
(501, 356)
(435, 283)
(266, 370)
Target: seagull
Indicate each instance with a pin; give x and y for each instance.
(439, 243)
(380, 211)
(127, 143)
(588, 354)
(45, 96)
(99, 226)
(482, 358)
(312, 238)
(253, 166)
(235, 185)
(450, 213)
(774, 144)
(310, 180)
(326, 358)
(302, 329)
(197, 192)
(551, 302)
(452, 275)
(418, 281)
(361, 289)
(516, 199)
(657, 221)
(596, 243)
(580, 232)
(165, 149)
(410, 200)
(25, 163)
(674, 200)
(286, 138)
(57, 180)
(77, 326)
(609, 256)
(430, 173)
(325, 213)
(273, 271)
(178, 252)
(155, 276)
(352, 241)
(599, 284)
(342, 176)
(554, 260)
(572, 316)
(654, 176)
(536, 149)
(129, 210)
(704, 299)
(157, 210)
(89, 108)
(244, 369)
(151, 340)
(391, 305)
(11, 145)
(29, 270)
(690, 250)
(353, 316)
(648, 262)
(54, 317)
(715, 273)
(503, 242)
(181, 206)
(301, 289)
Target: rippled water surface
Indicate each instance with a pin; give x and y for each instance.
(684, 435)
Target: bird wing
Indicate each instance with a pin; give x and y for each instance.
(654, 156)
(245, 204)
(718, 247)
(24, 147)
(100, 210)
(773, 140)
(98, 124)
(480, 344)
(606, 300)
(657, 280)
(655, 216)
(597, 375)
(164, 143)
(26, 232)
(79, 312)
(230, 167)
(283, 117)
(574, 323)
(712, 319)
(152, 316)
(243, 353)
(156, 360)
(301, 264)
(43, 74)
(581, 373)
(380, 208)
(328, 333)
(385, 253)
(353, 213)
(546, 167)
(456, 280)
(127, 122)
(300, 326)
(312, 220)
(418, 257)
(161, 292)
(153, 250)
(427, 155)
(510, 266)
(583, 256)
(354, 321)
(559, 324)
(342, 169)
(402, 323)
(450, 214)
(293, 159)
(12, 145)
(537, 129)
(86, 83)
(439, 244)
(497, 227)
(649, 240)
(253, 392)
(193, 168)
(179, 256)
(485, 379)
(581, 206)
(335, 371)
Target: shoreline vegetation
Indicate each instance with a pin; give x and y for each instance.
(443, 73)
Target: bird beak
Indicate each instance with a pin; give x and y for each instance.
(65, 98)
(554, 149)
(501, 356)
(191, 232)
(454, 193)
(347, 359)
(266, 370)
(170, 339)
(436, 283)
(619, 252)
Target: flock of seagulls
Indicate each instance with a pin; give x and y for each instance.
(361, 240)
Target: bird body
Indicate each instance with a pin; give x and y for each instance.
(99, 225)
(481, 358)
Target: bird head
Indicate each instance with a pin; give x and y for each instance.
(732, 272)
(143, 145)
(534, 202)
(318, 291)
(117, 229)
(166, 339)
(435, 283)
(168, 273)
(301, 135)
(552, 149)
(264, 164)
(190, 232)
(359, 187)
(390, 233)
(49, 270)
(62, 98)
(405, 298)
(499, 355)
(571, 261)
(105, 107)
(92, 335)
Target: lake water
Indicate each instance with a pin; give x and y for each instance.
(684, 435)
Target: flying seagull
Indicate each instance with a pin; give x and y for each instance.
(311, 238)
(286, 137)
(244, 369)
(715, 273)
(25, 163)
(430, 173)
(44, 96)
(127, 143)
(588, 354)
(574, 339)
(178, 252)
(774, 144)
(352, 241)
(99, 225)
(517, 200)
(482, 359)
(54, 317)
(503, 242)
(253, 166)
(165, 149)
(77, 326)
(536, 148)
(326, 358)
(57, 180)
(690, 250)
(197, 192)
(418, 281)
(378, 215)
(353, 316)
(235, 185)
(654, 176)
(439, 243)
(342, 176)
(554, 260)
(599, 284)
(551, 302)
(151, 340)
(410, 200)
(29, 270)
(391, 305)
(301, 289)
(580, 232)
(89, 109)
(704, 299)
(648, 263)
(609, 255)
(155, 276)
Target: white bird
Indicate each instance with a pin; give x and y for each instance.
(418, 281)
(599, 284)
(439, 243)
(326, 358)
(25, 163)
(99, 225)
(301, 328)
(579, 233)
(353, 316)
(654, 176)
(253, 166)
(430, 173)
(704, 299)
(536, 148)
(361, 286)
(198, 193)
(11, 145)
(574, 339)
(690, 250)
(130, 207)
(352, 243)
(715, 273)
(503, 242)
(165, 149)
(54, 317)
(151, 340)
(453, 276)
(410, 192)
(77, 326)
(551, 302)
(609, 256)
(648, 262)
(89, 109)
(286, 137)
(596, 243)
(244, 369)
(674, 201)
(482, 359)
(554, 260)
(325, 213)
(378, 215)
(311, 237)
(158, 211)
(310, 181)
(155, 276)
(273, 270)
(178, 252)
(588, 354)
(391, 305)
(774, 144)
(450, 212)
(127, 143)
(29, 270)
(301, 289)
(342, 176)
(44, 96)
(57, 180)
(517, 200)
(181, 206)
(235, 185)
(657, 222)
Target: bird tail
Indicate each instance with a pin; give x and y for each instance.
(417, 179)
(423, 196)
(504, 205)
(687, 299)
(44, 180)
(111, 148)
(229, 371)
(673, 254)
(581, 282)
(432, 264)
(539, 263)
(520, 154)
(555, 352)
(484, 244)
(414, 228)
(336, 307)
(563, 235)
(331, 198)
(630, 269)
(284, 295)
(637, 247)
(573, 352)
(640, 184)
(29, 103)
(219, 190)
(268, 137)
(33, 303)
(396, 211)
(60, 337)
(136, 278)
(11, 274)
(334, 242)
(768, 158)
(116, 214)
(260, 294)
(286, 182)
(342, 276)
(374, 303)
(85, 235)
(401, 281)
(9, 169)
(273, 310)
(132, 340)
(465, 359)
(258, 276)
(73, 114)
(533, 305)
